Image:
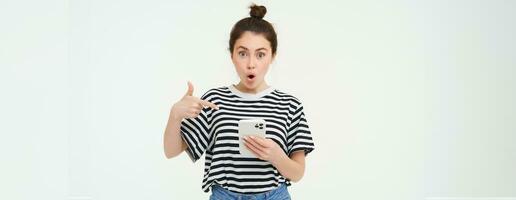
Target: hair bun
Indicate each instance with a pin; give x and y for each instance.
(257, 11)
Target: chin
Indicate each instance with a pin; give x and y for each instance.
(250, 86)
(255, 84)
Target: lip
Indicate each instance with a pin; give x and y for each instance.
(251, 77)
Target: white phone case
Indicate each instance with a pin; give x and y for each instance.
(246, 127)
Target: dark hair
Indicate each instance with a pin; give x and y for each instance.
(256, 24)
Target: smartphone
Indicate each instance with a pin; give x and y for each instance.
(247, 127)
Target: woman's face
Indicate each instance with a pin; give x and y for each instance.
(252, 55)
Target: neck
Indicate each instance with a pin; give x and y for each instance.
(261, 87)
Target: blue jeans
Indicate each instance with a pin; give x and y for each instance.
(219, 193)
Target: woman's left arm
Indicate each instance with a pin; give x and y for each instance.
(292, 167)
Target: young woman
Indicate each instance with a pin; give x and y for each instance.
(210, 124)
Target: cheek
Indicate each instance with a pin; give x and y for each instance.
(239, 66)
(237, 60)
(264, 68)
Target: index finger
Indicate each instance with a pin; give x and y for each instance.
(208, 104)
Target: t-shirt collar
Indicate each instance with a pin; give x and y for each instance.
(245, 95)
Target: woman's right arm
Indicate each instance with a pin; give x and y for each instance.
(188, 107)
(172, 140)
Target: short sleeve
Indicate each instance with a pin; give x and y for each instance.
(299, 136)
(196, 133)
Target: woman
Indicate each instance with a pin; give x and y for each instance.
(210, 123)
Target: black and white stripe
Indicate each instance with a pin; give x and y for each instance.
(215, 132)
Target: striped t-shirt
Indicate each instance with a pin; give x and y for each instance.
(215, 132)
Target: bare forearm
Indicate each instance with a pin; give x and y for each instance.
(292, 168)
(172, 142)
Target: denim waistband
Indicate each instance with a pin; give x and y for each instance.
(219, 191)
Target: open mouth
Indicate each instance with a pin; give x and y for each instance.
(250, 76)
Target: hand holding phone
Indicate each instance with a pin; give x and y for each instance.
(248, 127)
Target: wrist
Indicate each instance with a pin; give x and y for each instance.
(280, 159)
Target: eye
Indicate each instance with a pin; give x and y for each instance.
(242, 53)
(261, 54)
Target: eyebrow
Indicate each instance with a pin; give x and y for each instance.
(263, 48)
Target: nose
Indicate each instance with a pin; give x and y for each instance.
(252, 63)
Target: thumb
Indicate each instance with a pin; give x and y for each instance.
(190, 89)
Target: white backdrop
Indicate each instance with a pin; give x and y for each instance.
(406, 99)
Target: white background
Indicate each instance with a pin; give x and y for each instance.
(405, 99)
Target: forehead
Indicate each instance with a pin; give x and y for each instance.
(252, 41)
